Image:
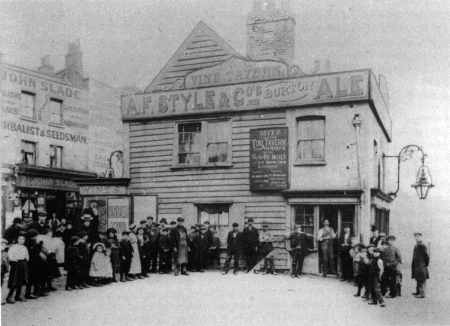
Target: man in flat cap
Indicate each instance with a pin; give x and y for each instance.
(233, 249)
(180, 246)
(250, 242)
(419, 267)
(392, 259)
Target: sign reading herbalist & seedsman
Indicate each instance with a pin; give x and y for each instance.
(269, 159)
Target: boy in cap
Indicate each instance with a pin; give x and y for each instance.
(391, 259)
(126, 253)
(361, 268)
(250, 242)
(233, 249)
(165, 251)
(376, 270)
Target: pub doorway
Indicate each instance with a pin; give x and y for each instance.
(311, 218)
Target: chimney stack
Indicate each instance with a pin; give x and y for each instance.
(74, 58)
(46, 66)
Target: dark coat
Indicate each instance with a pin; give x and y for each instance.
(300, 241)
(175, 236)
(73, 259)
(250, 238)
(234, 243)
(125, 250)
(420, 262)
(164, 243)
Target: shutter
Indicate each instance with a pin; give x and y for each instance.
(189, 212)
(237, 215)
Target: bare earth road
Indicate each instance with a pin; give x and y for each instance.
(212, 299)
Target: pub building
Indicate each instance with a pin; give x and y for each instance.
(48, 123)
(222, 137)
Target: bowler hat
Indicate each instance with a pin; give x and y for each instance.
(235, 224)
(180, 219)
(417, 233)
(250, 220)
(391, 237)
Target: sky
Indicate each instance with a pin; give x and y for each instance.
(126, 43)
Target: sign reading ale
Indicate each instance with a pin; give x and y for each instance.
(269, 159)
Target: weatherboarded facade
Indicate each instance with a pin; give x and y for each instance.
(223, 138)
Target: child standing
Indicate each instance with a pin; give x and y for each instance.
(361, 268)
(165, 253)
(18, 276)
(126, 252)
(73, 264)
(101, 269)
(113, 245)
(376, 269)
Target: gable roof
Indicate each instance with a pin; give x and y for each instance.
(201, 49)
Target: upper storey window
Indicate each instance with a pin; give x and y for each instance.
(310, 140)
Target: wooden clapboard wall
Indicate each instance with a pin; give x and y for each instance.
(151, 157)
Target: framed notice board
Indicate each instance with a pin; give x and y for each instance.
(119, 213)
(269, 159)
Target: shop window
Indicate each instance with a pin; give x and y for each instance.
(28, 152)
(310, 140)
(56, 153)
(206, 143)
(55, 109)
(304, 216)
(28, 105)
(382, 220)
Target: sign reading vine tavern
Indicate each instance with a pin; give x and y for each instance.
(269, 159)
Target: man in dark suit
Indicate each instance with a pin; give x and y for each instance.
(419, 267)
(298, 245)
(250, 242)
(233, 249)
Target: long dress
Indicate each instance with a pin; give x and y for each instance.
(135, 259)
(100, 266)
(182, 248)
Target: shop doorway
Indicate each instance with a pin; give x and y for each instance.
(56, 203)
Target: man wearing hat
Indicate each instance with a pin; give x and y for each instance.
(298, 245)
(200, 245)
(376, 269)
(419, 266)
(233, 249)
(391, 259)
(250, 243)
(180, 242)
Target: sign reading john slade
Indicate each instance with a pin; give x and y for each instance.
(327, 88)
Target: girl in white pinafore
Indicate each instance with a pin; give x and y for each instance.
(135, 269)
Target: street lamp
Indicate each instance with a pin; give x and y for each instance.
(423, 182)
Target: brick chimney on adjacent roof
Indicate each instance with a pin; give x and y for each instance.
(46, 66)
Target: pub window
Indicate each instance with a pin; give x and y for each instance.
(218, 145)
(304, 216)
(189, 143)
(28, 152)
(216, 214)
(55, 109)
(206, 143)
(310, 139)
(28, 102)
(56, 153)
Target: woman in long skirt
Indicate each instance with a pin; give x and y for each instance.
(136, 268)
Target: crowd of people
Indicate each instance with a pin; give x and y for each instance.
(36, 253)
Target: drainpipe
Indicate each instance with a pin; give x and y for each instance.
(356, 122)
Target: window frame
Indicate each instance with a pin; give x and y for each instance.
(300, 162)
(54, 147)
(54, 123)
(203, 145)
(26, 117)
(22, 151)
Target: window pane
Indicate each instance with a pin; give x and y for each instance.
(28, 105)
(304, 151)
(189, 143)
(317, 149)
(316, 129)
(217, 152)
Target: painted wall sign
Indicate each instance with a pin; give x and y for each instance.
(329, 88)
(103, 190)
(236, 70)
(39, 84)
(26, 181)
(34, 130)
(269, 159)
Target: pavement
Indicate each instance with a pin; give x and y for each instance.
(213, 299)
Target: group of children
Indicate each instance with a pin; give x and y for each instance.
(376, 269)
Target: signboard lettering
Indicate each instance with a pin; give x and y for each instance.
(269, 159)
(329, 88)
(46, 183)
(118, 214)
